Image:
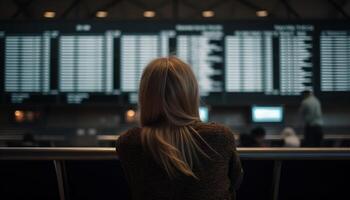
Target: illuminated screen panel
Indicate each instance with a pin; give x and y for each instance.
(137, 50)
(27, 63)
(249, 62)
(267, 114)
(272, 60)
(335, 61)
(204, 113)
(296, 66)
(86, 63)
(201, 47)
(27, 66)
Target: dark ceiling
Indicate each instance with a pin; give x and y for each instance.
(175, 9)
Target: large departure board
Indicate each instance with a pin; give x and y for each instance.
(77, 63)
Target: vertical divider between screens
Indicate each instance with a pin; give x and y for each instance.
(20, 70)
(76, 64)
(116, 63)
(276, 64)
(104, 63)
(42, 71)
(223, 56)
(263, 63)
(2, 69)
(241, 64)
(172, 46)
(316, 70)
(54, 72)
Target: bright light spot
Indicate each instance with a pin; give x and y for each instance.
(19, 116)
(131, 113)
(49, 14)
(18, 113)
(149, 14)
(101, 14)
(208, 13)
(262, 13)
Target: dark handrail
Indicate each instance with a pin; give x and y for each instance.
(113, 138)
(295, 153)
(57, 153)
(88, 153)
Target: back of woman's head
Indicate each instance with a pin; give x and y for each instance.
(168, 93)
(169, 101)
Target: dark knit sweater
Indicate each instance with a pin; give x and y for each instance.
(219, 176)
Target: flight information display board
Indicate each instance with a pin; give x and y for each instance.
(26, 65)
(249, 62)
(335, 61)
(137, 51)
(296, 66)
(101, 62)
(85, 65)
(275, 61)
(201, 47)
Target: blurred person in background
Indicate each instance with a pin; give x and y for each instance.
(258, 135)
(173, 155)
(245, 140)
(29, 140)
(290, 138)
(256, 138)
(311, 113)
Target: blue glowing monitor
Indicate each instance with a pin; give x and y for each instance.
(204, 114)
(267, 114)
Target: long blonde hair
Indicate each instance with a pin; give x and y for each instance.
(169, 101)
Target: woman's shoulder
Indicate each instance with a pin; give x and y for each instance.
(130, 132)
(216, 132)
(214, 128)
(128, 137)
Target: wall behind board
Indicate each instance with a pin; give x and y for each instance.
(111, 120)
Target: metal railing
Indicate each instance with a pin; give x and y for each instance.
(112, 137)
(98, 153)
(59, 155)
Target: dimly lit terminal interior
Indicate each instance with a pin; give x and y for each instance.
(174, 99)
